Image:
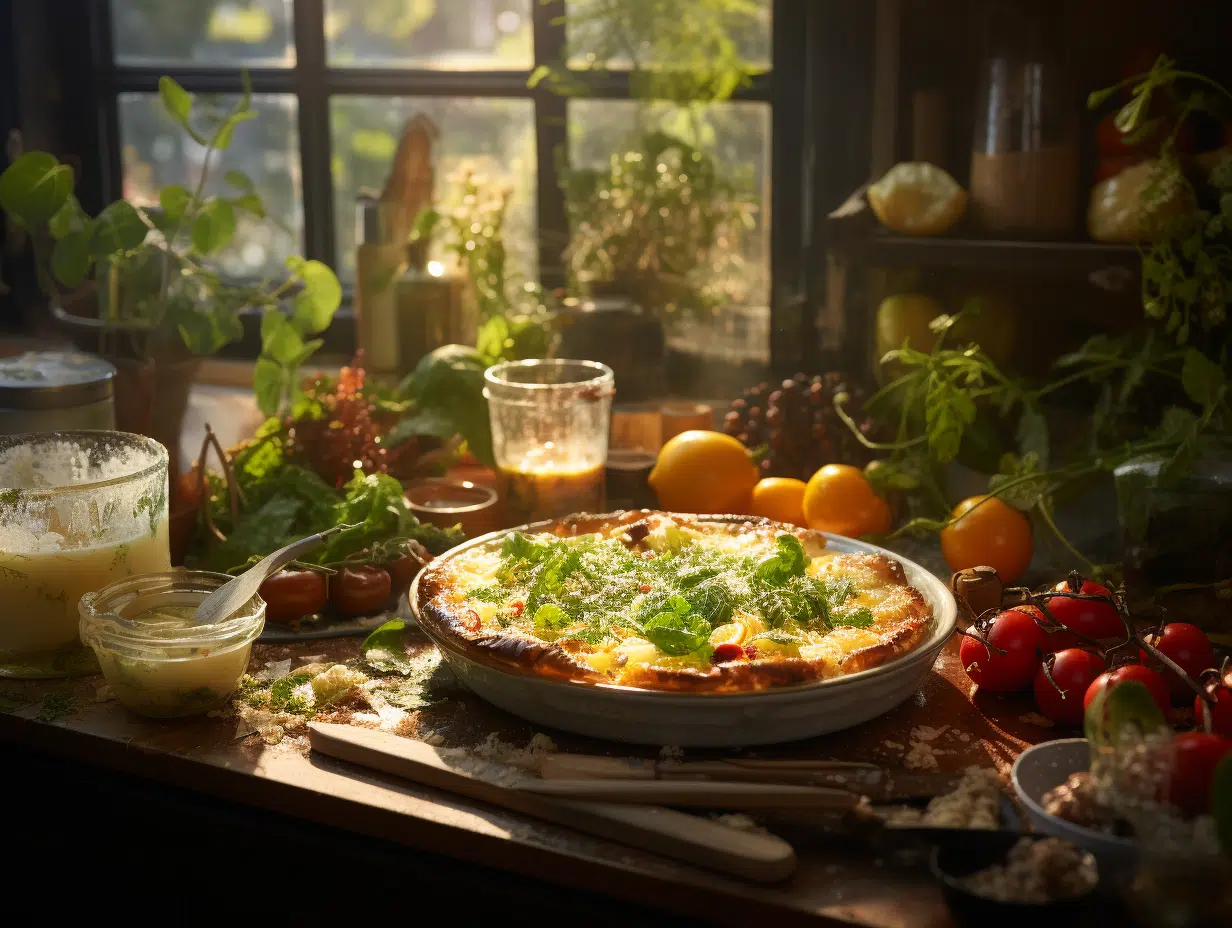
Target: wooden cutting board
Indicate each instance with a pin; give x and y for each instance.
(754, 856)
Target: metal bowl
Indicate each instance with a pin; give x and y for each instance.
(770, 716)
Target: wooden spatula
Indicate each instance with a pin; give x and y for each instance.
(760, 857)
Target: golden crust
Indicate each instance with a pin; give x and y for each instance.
(903, 619)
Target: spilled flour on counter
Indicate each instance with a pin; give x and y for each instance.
(975, 802)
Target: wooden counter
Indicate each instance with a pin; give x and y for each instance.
(836, 881)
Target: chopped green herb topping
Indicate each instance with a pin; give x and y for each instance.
(588, 589)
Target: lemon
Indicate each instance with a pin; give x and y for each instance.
(728, 633)
(780, 499)
(905, 316)
(699, 471)
(917, 198)
(988, 320)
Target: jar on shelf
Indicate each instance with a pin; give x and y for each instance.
(1025, 156)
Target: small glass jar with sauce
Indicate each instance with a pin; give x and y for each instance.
(550, 424)
(158, 660)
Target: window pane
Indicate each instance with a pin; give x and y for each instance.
(493, 138)
(457, 35)
(678, 216)
(693, 33)
(203, 32)
(157, 152)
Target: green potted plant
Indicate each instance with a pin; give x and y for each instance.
(135, 285)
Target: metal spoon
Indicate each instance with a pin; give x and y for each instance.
(232, 595)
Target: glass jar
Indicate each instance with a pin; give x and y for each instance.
(78, 510)
(1025, 157)
(550, 423)
(42, 391)
(158, 660)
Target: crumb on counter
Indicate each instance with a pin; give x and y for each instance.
(1036, 871)
(1034, 718)
(975, 802)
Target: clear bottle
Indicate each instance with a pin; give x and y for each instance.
(379, 260)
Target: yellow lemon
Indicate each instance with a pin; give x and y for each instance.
(917, 198)
(700, 471)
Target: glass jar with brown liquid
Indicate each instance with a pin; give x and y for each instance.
(550, 422)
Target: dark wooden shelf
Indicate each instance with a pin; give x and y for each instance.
(887, 250)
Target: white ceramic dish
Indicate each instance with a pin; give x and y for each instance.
(1045, 766)
(621, 713)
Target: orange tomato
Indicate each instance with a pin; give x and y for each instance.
(779, 498)
(839, 499)
(985, 530)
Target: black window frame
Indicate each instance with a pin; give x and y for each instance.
(797, 41)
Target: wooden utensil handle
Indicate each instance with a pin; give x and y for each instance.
(754, 856)
(706, 794)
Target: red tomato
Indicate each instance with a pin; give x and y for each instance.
(403, 570)
(1221, 712)
(1190, 648)
(1073, 670)
(1195, 755)
(1123, 674)
(1089, 617)
(360, 589)
(1053, 641)
(292, 594)
(727, 651)
(1014, 632)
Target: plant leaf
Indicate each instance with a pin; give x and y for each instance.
(71, 258)
(316, 304)
(176, 100)
(250, 203)
(1032, 435)
(241, 181)
(267, 385)
(676, 634)
(35, 187)
(214, 226)
(1202, 379)
(117, 228)
(69, 218)
(174, 199)
(222, 138)
(279, 338)
(434, 422)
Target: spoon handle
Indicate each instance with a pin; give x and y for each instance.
(237, 591)
(276, 560)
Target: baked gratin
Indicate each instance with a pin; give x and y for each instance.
(665, 601)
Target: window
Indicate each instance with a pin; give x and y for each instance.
(336, 81)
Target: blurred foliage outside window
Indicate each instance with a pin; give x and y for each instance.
(697, 247)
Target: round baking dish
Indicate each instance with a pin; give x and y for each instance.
(768, 716)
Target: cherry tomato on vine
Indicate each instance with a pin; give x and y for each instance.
(1194, 758)
(403, 570)
(1190, 648)
(1053, 641)
(987, 531)
(1090, 617)
(1221, 711)
(1123, 674)
(1019, 637)
(360, 589)
(1073, 672)
(292, 594)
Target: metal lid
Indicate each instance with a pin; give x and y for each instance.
(54, 380)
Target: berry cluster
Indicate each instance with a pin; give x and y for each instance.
(797, 425)
(337, 428)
